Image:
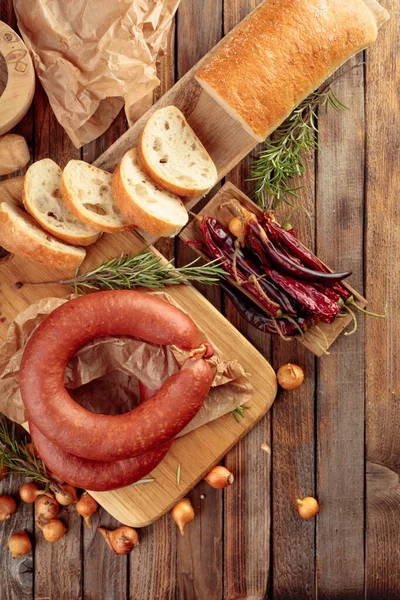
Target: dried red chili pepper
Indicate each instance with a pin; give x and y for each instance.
(227, 264)
(307, 295)
(224, 240)
(253, 315)
(289, 266)
(315, 302)
(295, 247)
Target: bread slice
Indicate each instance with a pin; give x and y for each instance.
(42, 199)
(173, 155)
(149, 207)
(20, 235)
(87, 192)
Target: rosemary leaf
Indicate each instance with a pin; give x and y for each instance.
(15, 455)
(280, 159)
(178, 475)
(147, 480)
(236, 415)
(143, 269)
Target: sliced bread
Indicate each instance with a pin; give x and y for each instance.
(87, 192)
(42, 199)
(20, 235)
(173, 155)
(143, 202)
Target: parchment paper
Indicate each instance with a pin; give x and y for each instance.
(103, 375)
(93, 57)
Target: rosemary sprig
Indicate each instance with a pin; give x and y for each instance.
(20, 460)
(143, 269)
(239, 413)
(281, 159)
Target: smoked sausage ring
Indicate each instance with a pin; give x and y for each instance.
(95, 475)
(104, 437)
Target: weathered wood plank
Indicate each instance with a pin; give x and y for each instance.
(104, 574)
(153, 563)
(248, 502)
(247, 514)
(64, 557)
(340, 409)
(293, 439)
(16, 574)
(200, 551)
(382, 248)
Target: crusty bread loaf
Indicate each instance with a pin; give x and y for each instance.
(42, 199)
(173, 156)
(87, 192)
(20, 235)
(149, 207)
(281, 53)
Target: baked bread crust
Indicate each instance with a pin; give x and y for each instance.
(20, 235)
(72, 184)
(186, 159)
(39, 200)
(281, 53)
(133, 207)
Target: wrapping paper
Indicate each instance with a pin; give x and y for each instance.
(103, 375)
(93, 57)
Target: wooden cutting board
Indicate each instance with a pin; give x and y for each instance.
(197, 451)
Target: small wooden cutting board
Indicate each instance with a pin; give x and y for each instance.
(198, 451)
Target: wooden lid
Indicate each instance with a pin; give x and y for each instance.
(18, 94)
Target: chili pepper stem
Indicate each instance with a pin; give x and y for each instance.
(324, 350)
(293, 322)
(323, 335)
(280, 333)
(286, 223)
(354, 304)
(353, 316)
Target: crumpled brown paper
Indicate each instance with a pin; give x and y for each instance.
(92, 57)
(103, 375)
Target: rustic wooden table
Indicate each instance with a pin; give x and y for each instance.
(337, 438)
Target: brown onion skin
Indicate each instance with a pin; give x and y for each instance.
(69, 495)
(8, 506)
(219, 477)
(86, 507)
(30, 491)
(122, 540)
(19, 544)
(46, 508)
(182, 514)
(308, 507)
(290, 376)
(53, 530)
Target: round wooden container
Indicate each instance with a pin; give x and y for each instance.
(18, 94)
